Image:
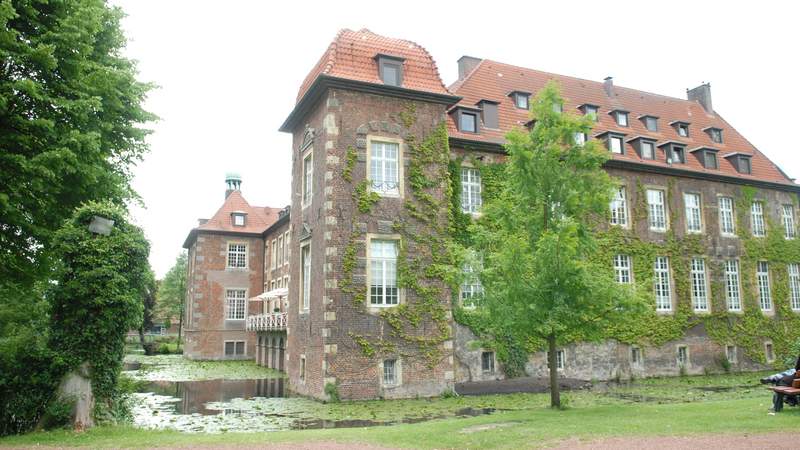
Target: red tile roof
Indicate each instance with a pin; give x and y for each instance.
(258, 218)
(491, 80)
(351, 55)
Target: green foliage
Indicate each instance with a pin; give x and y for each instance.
(538, 234)
(351, 157)
(70, 123)
(332, 391)
(101, 281)
(58, 413)
(172, 289)
(363, 197)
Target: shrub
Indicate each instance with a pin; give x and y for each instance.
(58, 413)
(332, 391)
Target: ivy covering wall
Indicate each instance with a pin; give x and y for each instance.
(748, 329)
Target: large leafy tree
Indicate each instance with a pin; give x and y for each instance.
(172, 291)
(537, 236)
(70, 124)
(101, 281)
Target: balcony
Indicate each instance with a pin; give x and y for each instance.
(267, 322)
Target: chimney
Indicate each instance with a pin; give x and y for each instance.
(701, 94)
(233, 181)
(608, 86)
(465, 65)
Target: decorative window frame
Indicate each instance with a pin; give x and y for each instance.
(401, 152)
(401, 292)
(306, 178)
(228, 256)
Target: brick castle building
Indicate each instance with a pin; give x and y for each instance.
(364, 316)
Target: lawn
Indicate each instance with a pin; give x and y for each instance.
(663, 406)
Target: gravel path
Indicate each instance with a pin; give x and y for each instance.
(772, 441)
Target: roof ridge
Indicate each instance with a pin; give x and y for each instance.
(589, 81)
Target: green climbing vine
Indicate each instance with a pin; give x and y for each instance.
(747, 329)
(419, 325)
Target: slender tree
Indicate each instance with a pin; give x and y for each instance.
(149, 294)
(537, 235)
(172, 292)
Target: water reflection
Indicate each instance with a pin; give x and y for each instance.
(195, 396)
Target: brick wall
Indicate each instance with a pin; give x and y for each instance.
(206, 327)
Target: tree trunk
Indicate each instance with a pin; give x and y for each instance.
(180, 327)
(555, 395)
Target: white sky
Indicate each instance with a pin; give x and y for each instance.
(229, 71)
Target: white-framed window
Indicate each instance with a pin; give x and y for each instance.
(237, 255)
(579, 138)
(732, 285)
(238, 220)
(235, 301)
(615, 144)
(636, 356)
(764, 293)
(390, 377)
(622, 118)
(471, 287)
(694, 217)
(622, 269)
(280, 251)
(561, 359)
(757, 219)
(521, 101)
(769, 352)
(272, 285)
(384, 168)
(487, 362)
(286, 248)
(648, 150)
(619, 208)
(699, 285)
(683, 356)
(305, 274)
(787, 214)
(308, 172)
(662, 289)
(274, 254)
(383, 290)
(794, 285)
(657, 214)
(470, 190)
(726, 222)
(731, 354)
(683, 130)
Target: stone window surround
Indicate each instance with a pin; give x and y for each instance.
(401, 151)
(735, 353)
(764, 212)
(494, 361)
(246, 259)
(688, 361)
(306, 201)
(286, 250)
(639, 364)
(769, 285)
(728, 309)
(769, 351)
(626, 200)
(671, 281)
(706, 281)
(234, 347)
(302, 375)
(629, 260)
(702, 212)
(225, 303)
(663, 189)
(401, 293)
(398, 373)
(301, 289)
(733, 214)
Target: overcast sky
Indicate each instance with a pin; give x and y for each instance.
(229, 71)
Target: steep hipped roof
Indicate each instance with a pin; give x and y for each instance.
(258, 219)
(351, 55)
(491, 80)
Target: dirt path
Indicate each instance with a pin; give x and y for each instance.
(772, 441)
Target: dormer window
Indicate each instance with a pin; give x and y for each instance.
(646, 148)
(707, 157)
(521, 99)
(675, 152)
(590, 110)
(489, 113)
(390, 69)
(467, 119)
(615, 142)
(239, 219)
(558, 108)
(714, 133)
(741, 162)
(620, 116)
(650, 122)
(682, 128)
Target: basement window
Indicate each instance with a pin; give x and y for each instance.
(487, 362)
